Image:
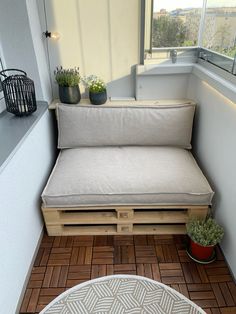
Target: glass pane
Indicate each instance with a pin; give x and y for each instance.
(219, 33)
(176, 23)
(222, 61)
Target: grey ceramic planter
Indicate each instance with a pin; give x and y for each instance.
(69, 94)
(98, 98)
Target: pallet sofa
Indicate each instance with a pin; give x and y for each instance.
(124, 169)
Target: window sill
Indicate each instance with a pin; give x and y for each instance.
(162, 69)
(14, 130)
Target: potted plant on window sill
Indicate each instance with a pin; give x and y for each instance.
(204, 235)
(68, 82)
(97, 89)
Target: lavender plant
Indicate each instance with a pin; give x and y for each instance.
(67, 77)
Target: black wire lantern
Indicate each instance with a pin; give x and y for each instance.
(19, 93)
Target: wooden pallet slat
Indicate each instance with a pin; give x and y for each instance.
(111, 218)
(136, 219)
(159, 229)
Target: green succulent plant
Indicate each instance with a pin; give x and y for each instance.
(205, 232)
(67, 77)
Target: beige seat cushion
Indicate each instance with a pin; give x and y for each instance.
(126, 175)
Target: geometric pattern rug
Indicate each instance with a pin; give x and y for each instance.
(118, 294)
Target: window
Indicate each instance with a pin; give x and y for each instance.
(219, 32)
(176, 23)
(203, 29)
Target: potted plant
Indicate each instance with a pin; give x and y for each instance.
(204, 235)
(68, 82)
(97, 89)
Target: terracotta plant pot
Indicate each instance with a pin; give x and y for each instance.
(201, 252)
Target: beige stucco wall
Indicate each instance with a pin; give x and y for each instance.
(101, 37)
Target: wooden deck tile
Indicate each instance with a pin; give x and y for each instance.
(228, 310)
(33, 301)
(232, 288)
(39, 257)
(63, 276)
(206, 303)
(227, 295)
(38, 270)
(145, 254)
(79, 272)
(63, 262)
(127, 254)
(123, 240)
(199, 287)
(187, 273)
(125, 269)
(166, 266)
(55, 276)
(172, 280)
(163, 239)
(155, 272)
(103, 255)
(183, 289)
(159, 253)
(215, 310)
(218, 294)
(25, 302)
(45, 257)
(220, 278)
(140, 240)
(202, 273)
(202, 295)
(98, 271)
(47, 277)
(83, 241)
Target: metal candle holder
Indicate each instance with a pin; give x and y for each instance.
(19, 93)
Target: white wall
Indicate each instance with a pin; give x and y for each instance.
(21, 40)
(215, 148)
(172, 86)
(100, 39)
(213, 134)
(162, 81)
(40, 54)
(21, 183)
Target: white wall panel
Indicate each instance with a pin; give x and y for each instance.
(102, 38)
(215, 148)
(21, 223)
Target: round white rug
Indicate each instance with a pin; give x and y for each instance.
(121, 294)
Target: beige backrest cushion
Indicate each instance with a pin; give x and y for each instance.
(165, 125)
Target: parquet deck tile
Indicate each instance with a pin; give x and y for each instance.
(145, 254)
(123, 240)
(63, 262)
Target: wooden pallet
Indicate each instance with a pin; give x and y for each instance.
(137, 219)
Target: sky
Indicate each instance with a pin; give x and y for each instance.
(173, 4)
